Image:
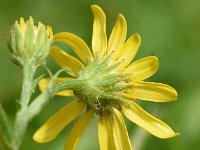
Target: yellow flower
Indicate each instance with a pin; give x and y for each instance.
(107, 84)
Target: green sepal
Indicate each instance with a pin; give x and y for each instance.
(18, 37)
(29, 38)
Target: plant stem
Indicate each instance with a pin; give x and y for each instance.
(27, 88)
(70, 84)
(22, 120)
(29, 110)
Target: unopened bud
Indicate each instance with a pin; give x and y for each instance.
(28, 41)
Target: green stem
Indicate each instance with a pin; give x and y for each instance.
(26, 115)
(29, 110)
(70, 84)
(39, 102)
(22, 120)
(29, 69)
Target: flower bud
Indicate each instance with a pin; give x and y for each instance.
(27, 41)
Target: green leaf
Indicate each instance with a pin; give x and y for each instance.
(5, 130)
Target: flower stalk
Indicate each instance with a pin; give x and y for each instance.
(22, 119)
(13, 136)
(29, 47)
(27, 85)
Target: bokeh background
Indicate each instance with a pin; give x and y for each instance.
(170, 29)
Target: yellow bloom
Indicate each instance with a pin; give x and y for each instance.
(108, 85)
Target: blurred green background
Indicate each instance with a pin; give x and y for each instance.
(169, 29)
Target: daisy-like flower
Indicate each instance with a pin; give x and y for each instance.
(106, 84)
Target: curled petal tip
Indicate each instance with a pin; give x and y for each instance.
(22, 23)
(137, 37)
(121, 17)
(97, 9)
(94, 6)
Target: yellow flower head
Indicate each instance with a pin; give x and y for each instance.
(107, 84)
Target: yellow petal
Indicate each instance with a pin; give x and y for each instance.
(77, 44)
(120, 133)
(153, 125)
(117, 37)
(105, 133)
(143, 68)
(78, 130)
(151, 91)
(22, 23)
(44, 82)
(72, 65)
(58, 121)
(99, 38)
(130, 49)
